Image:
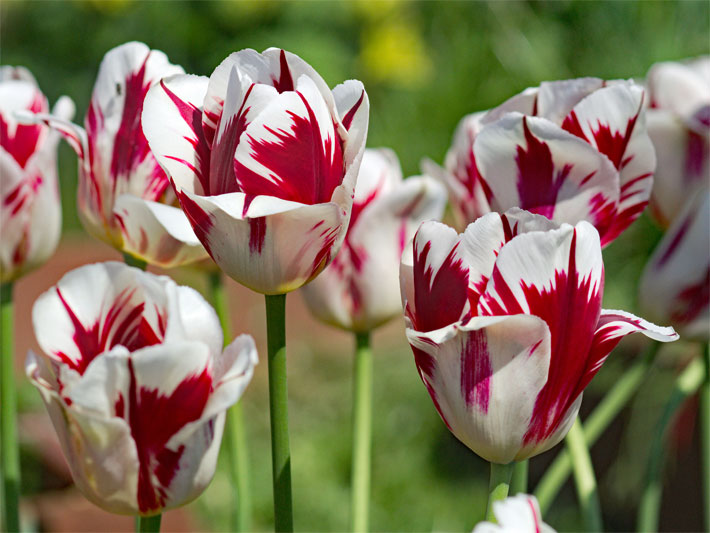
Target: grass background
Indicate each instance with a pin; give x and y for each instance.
(425, 65)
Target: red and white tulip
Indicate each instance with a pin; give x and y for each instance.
(136, 384)
(264, 158)
(507, 329)
(675, 285)
(569, 150)
(30, 209)
(359, 290)
(516, 514)
(125, 198)
(679, 126)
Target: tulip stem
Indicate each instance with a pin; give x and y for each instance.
(134, 261)
(705, 434)
(498, 486)
(235, 432)
(8, 417)
(686, 384)
(584, 478)
(519, 483)
(607, 410)
(148, 524)
(362, 434)
(278, 404)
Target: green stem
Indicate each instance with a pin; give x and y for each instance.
(584, 477)
(234, 431)
(687, 383)
(498, 487)
(278, 404)
(134, 261)
(8, 417)
(519, 483)
(148, 524)
(705, 434)
(607, 410)
(362, 434)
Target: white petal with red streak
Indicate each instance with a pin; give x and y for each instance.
(534, 258)
(619, 108)
(674, 283)
(278, 117)
(294, 236)
(493, 419)
(591, 175)
(380, 173)
(251, 67)
(516, 514)
(158, 234)
(89, 292)
(100, 451)
(672, 183)
(172, 139)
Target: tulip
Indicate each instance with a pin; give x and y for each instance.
(264, 158)
(507, 329)
(125, 198)
(359, 291)
(675, 285)
(31, 216)
(136, 384)
(516, 514)
(569, 150)
(679, 126)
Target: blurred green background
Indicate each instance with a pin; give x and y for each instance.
(425, 65)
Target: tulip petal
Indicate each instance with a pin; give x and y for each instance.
(468, 371)
(610, 119)
(683, 163)
(516, 514)
(680, 87)
(556, 99)
(484, 238)
(439, 278)
(558, 276)
(272, 246)
(291, 149)
(613, 326)
(158, 234)
(100, 451)
(530, 163)
(251, 67)
(675, 284)
(96, 307)
(172, 123)
(241, 106)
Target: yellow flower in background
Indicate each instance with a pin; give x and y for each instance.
(394, 52)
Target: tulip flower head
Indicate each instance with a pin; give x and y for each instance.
(265, 158)
(569, 150)
(516, 514)
(507, 329)
(359, 290)
(125, 198)
(675, 285)
(136, 384)
(679, 126)
(30, 210)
